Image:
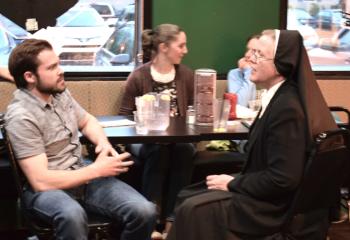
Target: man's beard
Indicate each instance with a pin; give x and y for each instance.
(48, 90)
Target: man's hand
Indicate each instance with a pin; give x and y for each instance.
(243, 63)
(219, 182)
(108, 165)
(106, 146)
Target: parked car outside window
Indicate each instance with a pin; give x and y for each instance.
(328, 18)
(333, 51)
(10, 35)
(119, 48)
(7, 43)
(107, 12)
(302, 16)
(309, 34)
(128, 14)
(77, 36)
(80, 32)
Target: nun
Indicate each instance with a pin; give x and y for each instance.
(254, 204)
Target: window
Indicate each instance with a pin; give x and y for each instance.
(326, 34)
(91, 37)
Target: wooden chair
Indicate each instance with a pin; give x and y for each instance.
(98, 225)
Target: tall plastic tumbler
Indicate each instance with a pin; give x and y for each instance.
(204, 93)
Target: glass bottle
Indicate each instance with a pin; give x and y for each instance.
(190, 115)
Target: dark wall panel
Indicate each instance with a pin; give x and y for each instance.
(217, 29)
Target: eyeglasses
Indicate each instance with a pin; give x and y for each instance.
(256, 57)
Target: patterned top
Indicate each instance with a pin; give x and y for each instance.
(35, 127)
(169, 88)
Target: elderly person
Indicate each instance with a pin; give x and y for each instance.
(254, 204)
(238, 79)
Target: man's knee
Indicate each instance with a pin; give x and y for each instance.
(145, 211)
(72, 214)
(71, 222)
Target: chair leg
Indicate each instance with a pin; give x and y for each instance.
(100, 233)
(348, 202)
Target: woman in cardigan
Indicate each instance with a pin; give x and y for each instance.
(167, 167)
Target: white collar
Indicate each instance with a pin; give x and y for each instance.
(162, 77)
(267, 95)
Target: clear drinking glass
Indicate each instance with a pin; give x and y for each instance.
(156, 110)
(140, 125)
(221, 110)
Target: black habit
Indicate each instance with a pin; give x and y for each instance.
(255, 207)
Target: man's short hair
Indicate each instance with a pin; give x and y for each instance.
(24, 57)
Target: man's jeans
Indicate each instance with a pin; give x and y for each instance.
(106, 196)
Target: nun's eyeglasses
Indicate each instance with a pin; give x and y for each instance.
(256, 57)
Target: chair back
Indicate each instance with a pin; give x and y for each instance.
(324, 173)
(16, 171)
(19, 178)
(98, 225)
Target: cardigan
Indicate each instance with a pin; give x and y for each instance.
(139, 83)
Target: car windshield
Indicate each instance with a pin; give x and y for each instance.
(337, 16)
(102, 9)
(4, 43)
(300, 13)
(344, 40)
(128, 13)
(86, 17)
(13, 29)
(325, 14)
(122, 41)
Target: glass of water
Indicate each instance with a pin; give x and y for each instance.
(140, 125)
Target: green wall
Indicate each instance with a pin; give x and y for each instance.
(217, 29)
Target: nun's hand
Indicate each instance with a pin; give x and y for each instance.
(219, 182)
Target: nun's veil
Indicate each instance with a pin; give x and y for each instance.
(293, 63)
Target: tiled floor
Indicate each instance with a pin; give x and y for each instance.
(339, 231)
(9, 224)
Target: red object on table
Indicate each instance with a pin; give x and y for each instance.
(233, 100)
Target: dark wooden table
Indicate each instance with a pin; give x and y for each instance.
(178, 131)
(235, 131)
